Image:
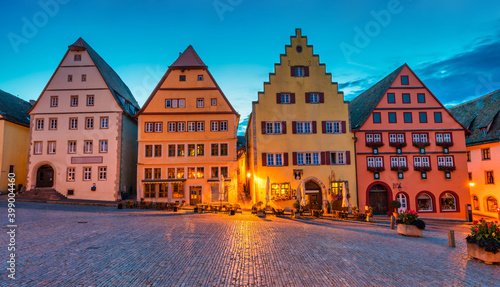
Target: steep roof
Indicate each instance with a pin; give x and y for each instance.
(115, 84)
(189, 58)
(480, 116)
(362, 106)
(14, 109)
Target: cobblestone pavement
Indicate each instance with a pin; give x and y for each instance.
(67, 245)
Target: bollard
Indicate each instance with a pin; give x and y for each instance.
(392, 221)
(451, 238)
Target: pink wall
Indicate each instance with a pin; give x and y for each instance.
(413, 185)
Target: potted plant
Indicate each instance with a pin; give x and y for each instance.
(260, 211)
(484, 241)
(395, 205)
(409, 224)
(369, 214)
(296, 205)
(120, 204)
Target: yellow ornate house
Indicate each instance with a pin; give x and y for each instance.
(298, 133)
(14, 139)
(187, 137)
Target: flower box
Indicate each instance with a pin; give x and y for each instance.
(474, 251)
(399, 168)
(444, 144)
(375, 169)
(422, 168)
(374, 144)
(261, 213)
(409, 230)
(397, 144)
(446, 168)
(421, 144)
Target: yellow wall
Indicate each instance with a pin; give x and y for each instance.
(14, 142)
(267, 109)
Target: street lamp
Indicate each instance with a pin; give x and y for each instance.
(249, 175)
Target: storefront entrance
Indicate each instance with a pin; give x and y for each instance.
(314, 199)
(195, 195)
(378, 199)
(45, 176)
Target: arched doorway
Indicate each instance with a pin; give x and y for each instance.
(45, 176)
(378, 199)
(314, 200)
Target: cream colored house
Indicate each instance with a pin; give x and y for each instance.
(83, 133)
(187, 137)
(14, 139)
(481, 117)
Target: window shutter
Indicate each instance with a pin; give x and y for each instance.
(278, 98)
(263, 127)
(321, 97)
(294, 155)
(314, 130)
(292, 71)
(306, 71)
(348, 157)
(292, 98)
(323, 127)
(328, 156)
(264, 159)
(285, 159)
(344, 127)
(283, 127)
(323, 160)
(294, 127)
(308, 98)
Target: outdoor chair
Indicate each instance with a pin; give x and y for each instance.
(269, 210)
(279, 212)
(307, 212)
(289, 211)
(130, 204)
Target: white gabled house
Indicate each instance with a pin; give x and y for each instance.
(83, 134)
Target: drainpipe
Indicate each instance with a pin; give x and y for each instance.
(356, 170)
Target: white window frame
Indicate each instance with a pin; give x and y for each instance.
(74, 101)
(149, 127)
(369, 138)
(377, 138)
(200, 103)
(102, 171)
(87, 173)
(39, 124)
(223, 126)
(200, 126)
(90, 100)
(38, 147)
(89, 123)
(73, 123)
(285, 98)
(53, 124)
(70, 174)
(51, 147)
(314, 98)
(103, 146)
(54, 101)
(172, 126)
(72, 146)
(191, 126)
(104, 122)
(299, 71)
(88, 146)
(158, 127)
(214, 126)
(338, 157)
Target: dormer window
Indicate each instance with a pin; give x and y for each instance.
(77, 57)
(200, 77)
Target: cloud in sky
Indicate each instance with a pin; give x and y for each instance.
(454, 80)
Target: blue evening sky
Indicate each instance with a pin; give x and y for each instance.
(454, 46)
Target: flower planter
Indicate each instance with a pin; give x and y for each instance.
(175, 208)
(260, 213)
(297, 215)
(479, 253)
(409, 230)
(369, 218)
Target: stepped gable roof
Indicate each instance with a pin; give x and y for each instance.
(480, 116)
(14, 109)
(362, 106)
(117, 87)
(189, 58)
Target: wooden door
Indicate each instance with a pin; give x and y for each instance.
(45, 176)
(378, 199)
(195, 195)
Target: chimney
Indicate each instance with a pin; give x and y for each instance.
(32, 102)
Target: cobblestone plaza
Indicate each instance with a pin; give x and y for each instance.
(71, 245)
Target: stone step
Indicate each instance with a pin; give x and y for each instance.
(42, 193)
